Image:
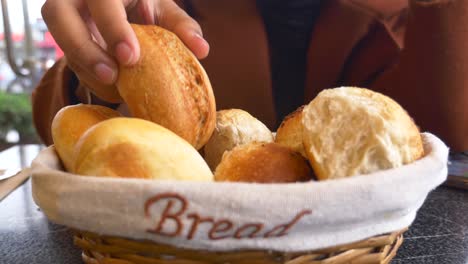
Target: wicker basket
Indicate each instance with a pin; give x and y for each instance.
(113, 250)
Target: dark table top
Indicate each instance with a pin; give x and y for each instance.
(439, 234)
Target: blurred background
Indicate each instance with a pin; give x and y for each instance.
(27, 51)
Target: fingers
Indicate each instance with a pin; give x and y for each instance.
(173, 18)
(143, 12)
(71, 33)
(108, 19)
(108, 93)
(111, 20)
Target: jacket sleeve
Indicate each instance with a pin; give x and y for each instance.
(431, 76)
(56, 89)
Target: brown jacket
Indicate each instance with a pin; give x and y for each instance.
(416, 53)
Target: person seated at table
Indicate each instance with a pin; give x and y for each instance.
(271, 56)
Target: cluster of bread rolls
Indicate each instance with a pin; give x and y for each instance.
(242, 148)
(173, 114)
(342, 132)
(96, 141)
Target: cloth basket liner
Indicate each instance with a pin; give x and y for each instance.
(226, 216)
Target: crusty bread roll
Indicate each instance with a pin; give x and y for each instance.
(71, 122)
(350, 131)
(234, 127)
(263, 163)
(136, 148)
(169, 86)
(289, 133)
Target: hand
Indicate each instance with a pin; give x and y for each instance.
(95, 35)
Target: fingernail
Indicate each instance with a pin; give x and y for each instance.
(199, 36)
(104, 73)
(200, 51)
(124, 53)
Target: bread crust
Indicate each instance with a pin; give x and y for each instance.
(289, 133)
(136, 148)
(263, 163)
(234, 127)
(71, 122)
(169, 86)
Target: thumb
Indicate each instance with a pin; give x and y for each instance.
(175, 19)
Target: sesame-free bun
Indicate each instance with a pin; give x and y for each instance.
(234, 127)
(71, 122)
(289, 133)
(136, 148)
(350, 131)
(168, 86)
(263, 163)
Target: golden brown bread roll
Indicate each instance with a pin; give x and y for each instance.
(263, 163)
(136, 148)
(71, 122)
(169, 86)
(289, 133)
(350, 131)
(234, 127)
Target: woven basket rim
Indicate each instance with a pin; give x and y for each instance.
(97, 248)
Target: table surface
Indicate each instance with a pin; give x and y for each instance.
(438, 235)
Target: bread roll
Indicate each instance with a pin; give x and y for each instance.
(263, 163)
(289, 133)
(350, 131)
(168, 86)
(136, 148)
(234, 127)
(70, 123)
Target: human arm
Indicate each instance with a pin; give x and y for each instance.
(431, 77)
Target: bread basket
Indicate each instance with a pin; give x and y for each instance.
(354, 220)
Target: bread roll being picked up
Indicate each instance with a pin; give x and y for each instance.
(71, 122)
(136, 148)
(169, 86)
(234, 127)
(351, 131)
(263, 163)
